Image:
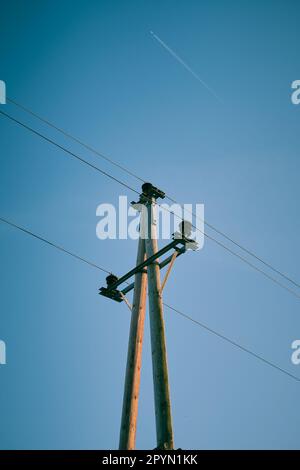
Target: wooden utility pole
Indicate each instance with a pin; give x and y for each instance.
(134, 355)
(164, 428)
(147, 266)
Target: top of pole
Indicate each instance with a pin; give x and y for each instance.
(151, 191)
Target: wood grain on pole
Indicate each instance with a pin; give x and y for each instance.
(164, 428)
(134, 357)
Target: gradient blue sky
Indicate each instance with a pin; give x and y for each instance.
(93, 68)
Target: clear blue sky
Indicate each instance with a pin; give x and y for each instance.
(93, 68)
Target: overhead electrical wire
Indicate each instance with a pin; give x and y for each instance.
(54, 245)
(230, 341)
(175, 310)
(75, 139)
(246, 250)
(69, 152)
(137, 177)
(83, 161)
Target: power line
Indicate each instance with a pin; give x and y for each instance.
(54, 245)
(202, 325)
(75, 139)
(83, 161)
(69, 152)
(237, 255)
(246, 250)
(271, 278)
(233, 343)
(129, 172)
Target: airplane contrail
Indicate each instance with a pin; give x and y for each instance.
(184, 64)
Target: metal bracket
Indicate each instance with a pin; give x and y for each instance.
(113, 282)
(113, 294)
(180, 243)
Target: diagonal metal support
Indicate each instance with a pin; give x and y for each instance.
(126, 301)
(146, 263)
(173, 258)
(164, 263)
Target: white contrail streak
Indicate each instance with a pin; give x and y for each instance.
(184, 64)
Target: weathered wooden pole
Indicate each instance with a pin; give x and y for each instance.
(164, 428)
(134, 355)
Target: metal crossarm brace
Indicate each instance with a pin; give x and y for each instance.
(112, 291)
(164, 263)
